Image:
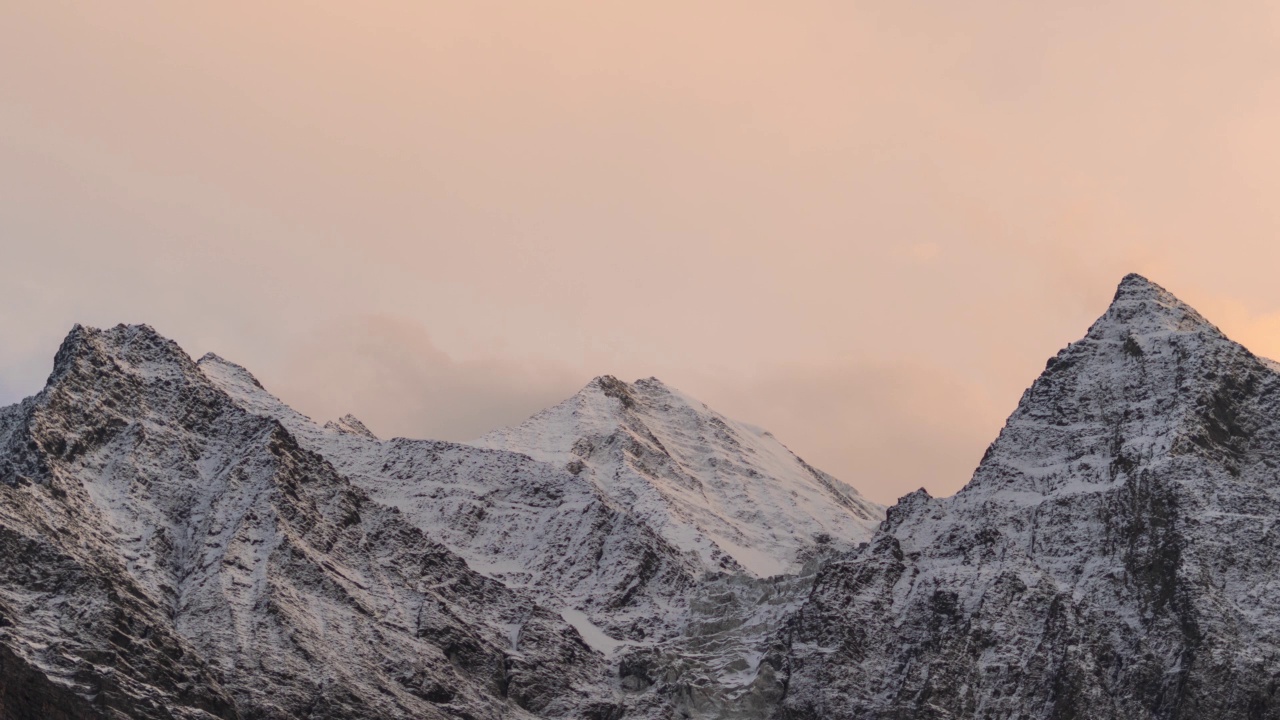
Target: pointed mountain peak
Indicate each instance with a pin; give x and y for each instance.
(642, 396)
(350, 425)
(1141, 307)
(212, 363)
(612, 387)
(726, 493)
(1141, 314)
(1151, 379)
(603, 382)
(908, 505)
(1135, 284)
(123, 345)
(83, 337)
(74, 345)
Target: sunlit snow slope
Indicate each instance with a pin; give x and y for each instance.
(729, 493)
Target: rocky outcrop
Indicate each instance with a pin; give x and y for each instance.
(185, 545)
(171, 555)
(176, 543)
(528, 524)
(1114, 555)
(627, 508)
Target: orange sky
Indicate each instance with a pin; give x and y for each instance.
(862, 225)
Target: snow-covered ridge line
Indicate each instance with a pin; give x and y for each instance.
(726, 491)
(625, 562)
(171, 555)
(1114, 555)
(179, 543)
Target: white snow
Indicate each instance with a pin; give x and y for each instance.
(668, 481)
(592, 635)
(709, 485)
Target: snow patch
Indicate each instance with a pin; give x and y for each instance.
(592, 635)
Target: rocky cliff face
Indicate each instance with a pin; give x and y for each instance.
(641, 516)
(177, 543)
(170, 555)
(1114, 556)
(181, 544)
(528, 524)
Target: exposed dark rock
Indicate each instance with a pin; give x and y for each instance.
(1114, 555)
(177, 544)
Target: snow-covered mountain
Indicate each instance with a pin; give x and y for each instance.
(184, 545)
(726, 492)
(614, 513)
(528, 524)
(1116, 554)
(176, 542)
(167, 554)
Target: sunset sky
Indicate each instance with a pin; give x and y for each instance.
(861, 225)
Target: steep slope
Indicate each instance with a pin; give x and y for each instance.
(1114, 556)
(685, 624)
(728, 494)
(174, 556)
(529, 524)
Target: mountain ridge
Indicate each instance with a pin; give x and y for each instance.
(692, 471)
(183, 544)
(1112, 556)
(178, 557)
(538, 521)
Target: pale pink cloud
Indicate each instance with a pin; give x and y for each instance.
(536, 193)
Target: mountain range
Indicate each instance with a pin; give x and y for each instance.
(180, 543)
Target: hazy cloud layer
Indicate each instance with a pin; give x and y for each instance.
(386, 369)
(824, 216)
(888, 428)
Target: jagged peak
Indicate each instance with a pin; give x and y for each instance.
(601, 382)
(350, 425)
(73, 345)
(1133, 283)
(643, 393)
(1150, 375)
(1140, 312)
(214, 360)
(120, 344)
(1140, 306)
(119, 335)
(611, 387)
(907, 505)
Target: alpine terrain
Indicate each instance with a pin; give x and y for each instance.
(1116, 554)
(178, 543)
